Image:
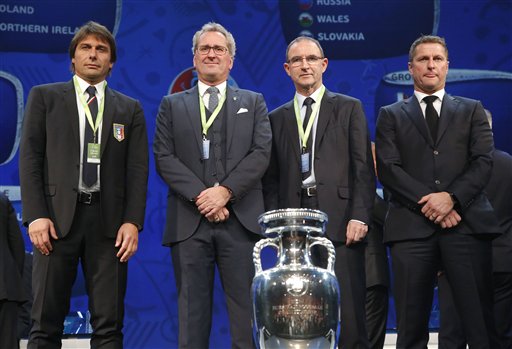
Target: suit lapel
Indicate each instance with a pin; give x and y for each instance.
(108, 116)
(325, 112)
(412, 108)
(448, 108)
(290, 122)
(71, 112)
(233, 101)
(191, 101)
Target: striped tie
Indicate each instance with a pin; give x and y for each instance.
(90, 171)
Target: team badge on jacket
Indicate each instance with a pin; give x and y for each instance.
(119, 132)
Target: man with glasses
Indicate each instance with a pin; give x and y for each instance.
(212, 146)
(321, 159)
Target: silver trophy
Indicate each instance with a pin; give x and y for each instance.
(295, 303)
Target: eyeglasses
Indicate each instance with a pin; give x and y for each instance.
(218, 50)
(310, 60)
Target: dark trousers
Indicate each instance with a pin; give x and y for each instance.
(451, 333)
(350, 272)
(503, 308)
(466, 260)
(9, 324)
(376, 315)
(105, 277)
(228, 246)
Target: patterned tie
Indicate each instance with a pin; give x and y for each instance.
(90, 171)
(308, 102)
(214, 98)
(431, 116)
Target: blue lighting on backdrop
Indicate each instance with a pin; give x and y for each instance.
(367, 45)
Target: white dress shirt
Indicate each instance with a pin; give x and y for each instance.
(82, 120)
(311, 180)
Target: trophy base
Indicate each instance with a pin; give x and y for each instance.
(275, 342)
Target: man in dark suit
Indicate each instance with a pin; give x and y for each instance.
(434, 156)
(377, 273)
(212, 146)
(325, 163)
(83, 174)
(12, 254)
(499, 191)
(24, 321)
(377, 277)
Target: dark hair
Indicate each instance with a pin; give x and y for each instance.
(304, 38)
(98, 30)
(427, 39)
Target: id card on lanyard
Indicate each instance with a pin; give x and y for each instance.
(305, 134)
(93, 149)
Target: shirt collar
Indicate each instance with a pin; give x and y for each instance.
(203, 87)
(420, 95)
(100, 87)
(314, 95)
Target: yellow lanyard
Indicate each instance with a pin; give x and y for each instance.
(204, 123)
(88, 114)
(304, 134)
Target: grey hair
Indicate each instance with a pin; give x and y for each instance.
(304, 38)
(215, 27)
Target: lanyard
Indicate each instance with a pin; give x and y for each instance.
(304, 135)
(88, 114)
(206, 124)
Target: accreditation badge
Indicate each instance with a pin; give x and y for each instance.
(304, 163)
(118, 130)
(206, 149)
(93, 153)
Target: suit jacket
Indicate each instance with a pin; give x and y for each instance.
(376, 256)
(178, 146)
(343, 163)
(411, 164)
(50, 159)
(12, 254)
(499, 190)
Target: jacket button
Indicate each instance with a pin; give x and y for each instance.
(436, 152)
(437, 181)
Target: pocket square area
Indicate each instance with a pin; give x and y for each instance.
(242, 110)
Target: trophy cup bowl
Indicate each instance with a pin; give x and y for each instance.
(295, 303)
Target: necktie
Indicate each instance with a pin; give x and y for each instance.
(308, 102)
(214, 98)
(431, 116)
(90, 171)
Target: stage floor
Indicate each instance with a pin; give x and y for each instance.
(83, 343)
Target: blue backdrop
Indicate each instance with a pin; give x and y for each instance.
(366, 42)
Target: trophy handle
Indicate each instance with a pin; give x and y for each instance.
(330, 249)
(260, 245)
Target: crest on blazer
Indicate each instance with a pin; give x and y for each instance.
(118, 130)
